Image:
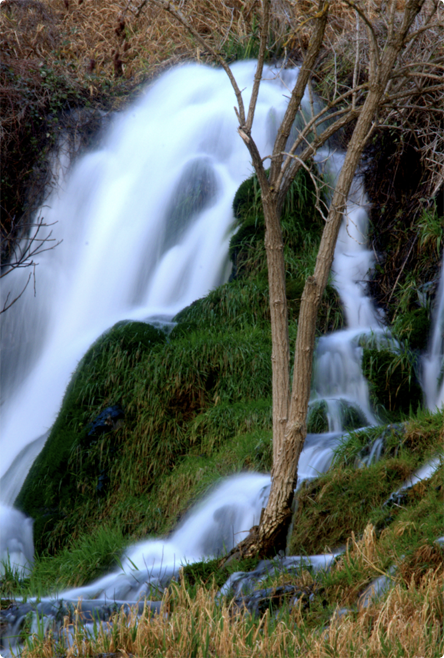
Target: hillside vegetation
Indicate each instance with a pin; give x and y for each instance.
(186, 409)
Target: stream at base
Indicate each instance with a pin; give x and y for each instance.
(124, 256)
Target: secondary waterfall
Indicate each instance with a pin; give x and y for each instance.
(433, 361)
(122, 258)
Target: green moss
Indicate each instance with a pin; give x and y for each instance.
(238, 304)
(413, 328)
(195, 391)
(392, 379)
(209, 572)
(51, 489)
(341, 502)
(300, 221)
(195, 476)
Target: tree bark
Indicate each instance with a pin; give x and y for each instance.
(280, 354)
(268, 537)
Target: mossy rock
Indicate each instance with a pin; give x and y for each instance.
(51, 490)
(300, 221)
(245, 302)
(209, 572)
(352, 418)
(194, 192)
(413, 328)
(237, 304)
(322, 519)
(131, 335)
(392, 380)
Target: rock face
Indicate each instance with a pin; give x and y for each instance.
(16, 545)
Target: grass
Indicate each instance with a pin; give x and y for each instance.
(407, 623)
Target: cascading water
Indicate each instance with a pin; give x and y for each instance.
(124, 256)
(433, 361)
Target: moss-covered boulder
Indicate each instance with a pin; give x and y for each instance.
(392, 380)
(352, 417)
(51, 489)
(244, 300)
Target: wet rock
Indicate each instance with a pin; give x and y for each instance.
(243, 585)
(271, 598)
(52, 616)
(110, 419)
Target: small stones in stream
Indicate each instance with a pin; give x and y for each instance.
(272, 598)
(243, 585)
(52, 615)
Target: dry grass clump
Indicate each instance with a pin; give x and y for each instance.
(133, 38)
(427, 558)
(362, 559)
(118, 38)
(407, 623)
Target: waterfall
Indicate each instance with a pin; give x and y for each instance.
(338, 380)
(433, 361)
(124, 257)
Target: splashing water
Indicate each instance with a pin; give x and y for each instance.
(338, 378)
(124, 256)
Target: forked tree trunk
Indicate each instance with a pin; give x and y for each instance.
(289, 418)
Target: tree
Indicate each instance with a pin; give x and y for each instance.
(388, 84)
(22, 243)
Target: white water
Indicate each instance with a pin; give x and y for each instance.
(338, 376)
(118, 261)
(433, 362)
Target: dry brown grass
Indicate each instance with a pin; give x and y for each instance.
(92, 34)
(408, 622)
(114, 38)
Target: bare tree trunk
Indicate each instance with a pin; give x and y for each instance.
(269, 536)
(280, 354)
(290, 412)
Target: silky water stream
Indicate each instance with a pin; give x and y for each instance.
(122, 258)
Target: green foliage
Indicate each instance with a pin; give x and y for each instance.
(210, 573)
(347, 498)
(71, 463)
(244, 301)
(239, 304)
(392, 380)
(300, 221)
(80, 561)
(358, 444)
(413, 328)
(431, 227)
(323, 521)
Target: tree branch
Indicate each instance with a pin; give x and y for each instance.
(175, 11)
(297, 95)
(260, 65)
